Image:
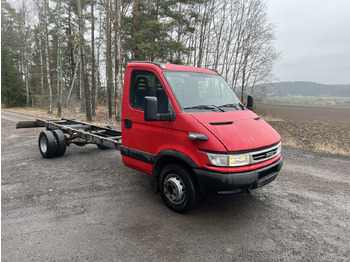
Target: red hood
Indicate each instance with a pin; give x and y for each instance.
(239, 130)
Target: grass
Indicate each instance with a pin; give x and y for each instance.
(290, 142)
(321, 146)
(325, 146)
(270, 118)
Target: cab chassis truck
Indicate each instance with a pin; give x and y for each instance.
(185, 127)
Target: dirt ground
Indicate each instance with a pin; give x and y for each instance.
(318, 128)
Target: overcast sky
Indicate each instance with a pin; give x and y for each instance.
(313, 37)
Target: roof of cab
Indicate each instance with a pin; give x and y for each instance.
(173, 67)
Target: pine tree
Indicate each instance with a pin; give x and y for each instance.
(12, 86)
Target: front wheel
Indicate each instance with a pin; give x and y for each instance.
(178, 189)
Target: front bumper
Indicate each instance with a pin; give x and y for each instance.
(213, 183)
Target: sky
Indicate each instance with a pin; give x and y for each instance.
(313, 37)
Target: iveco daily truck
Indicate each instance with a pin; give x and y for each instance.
(185, 127)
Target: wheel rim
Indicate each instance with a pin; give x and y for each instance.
(174, 189)
(43, 144)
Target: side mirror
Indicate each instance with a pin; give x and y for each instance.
(250, 103)
(151, 110)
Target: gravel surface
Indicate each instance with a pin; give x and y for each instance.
(86, 206)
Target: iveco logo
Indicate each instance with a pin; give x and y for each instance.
(268, 154)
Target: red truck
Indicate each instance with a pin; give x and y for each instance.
(185, 127)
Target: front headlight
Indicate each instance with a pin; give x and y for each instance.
(239, 160)
(229, 160)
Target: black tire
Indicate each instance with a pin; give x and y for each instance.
(178, 188)
(61, 142)
(47, 144)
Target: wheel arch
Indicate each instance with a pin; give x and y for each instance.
(171, 156)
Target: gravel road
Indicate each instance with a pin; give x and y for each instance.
(86, 206)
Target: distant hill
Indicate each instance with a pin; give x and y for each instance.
(306, 89)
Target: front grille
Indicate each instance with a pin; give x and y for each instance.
(265, 154)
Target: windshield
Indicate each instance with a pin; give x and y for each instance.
(199, 91)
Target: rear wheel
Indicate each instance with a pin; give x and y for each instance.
(60, 141)
(178, 189)
(47, 144)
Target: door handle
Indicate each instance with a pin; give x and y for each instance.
(127, 123)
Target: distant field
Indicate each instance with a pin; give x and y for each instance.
(318, 128)
(309, 100)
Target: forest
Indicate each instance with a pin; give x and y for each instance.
(59, 54)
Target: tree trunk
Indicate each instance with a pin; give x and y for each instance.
(74, 77)
(59, 64)
(135, 24)
(26, 76)
(41, 66)
(109, 61)
(71, 45)
(203, 32)
(93, 81)
(48, 67)
(81, 84)
(119, 89)
(59, 80)
(83, 66)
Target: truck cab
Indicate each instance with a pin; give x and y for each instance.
(186, 127)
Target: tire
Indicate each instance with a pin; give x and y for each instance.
(178, 188)
(61, 142)
(47, 144)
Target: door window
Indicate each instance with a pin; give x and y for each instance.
(145, 83)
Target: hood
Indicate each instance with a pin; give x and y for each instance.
(239, 130)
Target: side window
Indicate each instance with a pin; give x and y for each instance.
(145, 83)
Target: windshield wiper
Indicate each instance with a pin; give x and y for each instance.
(205, 107)
(237, 106)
